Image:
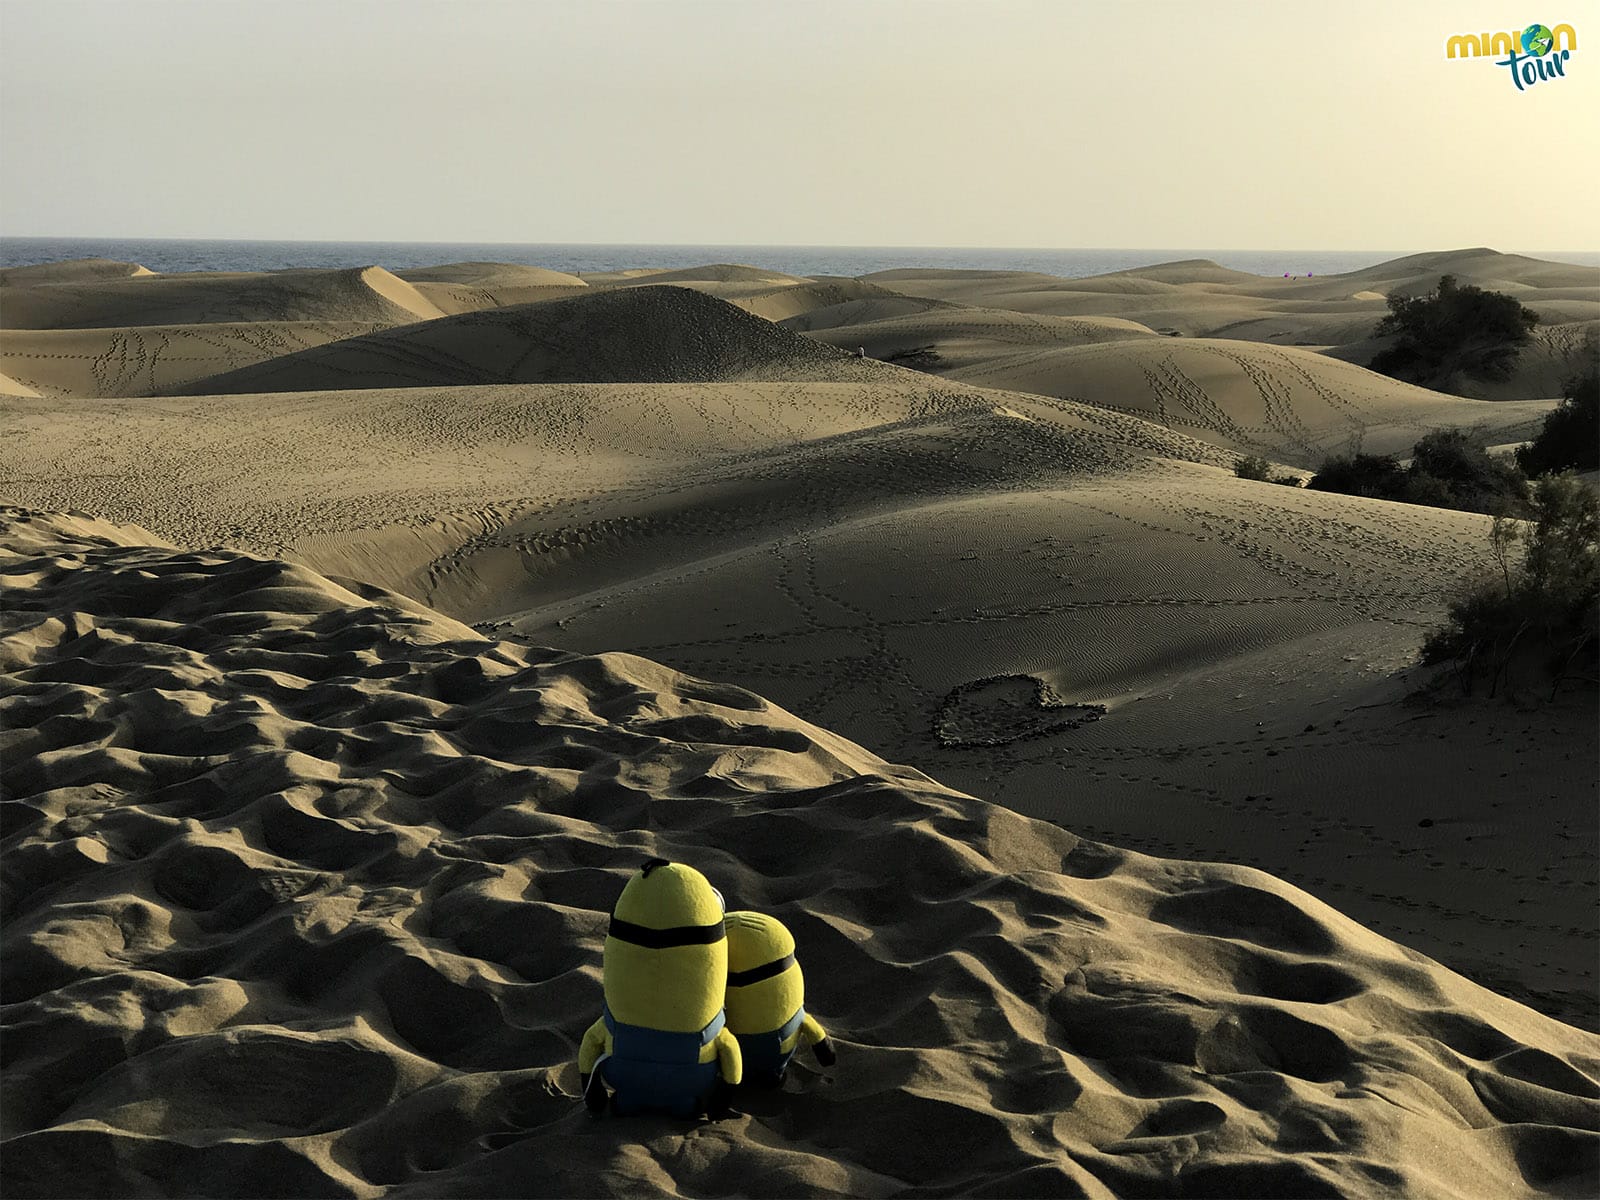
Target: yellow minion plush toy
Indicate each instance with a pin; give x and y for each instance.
(661, 1041)
(766, 999)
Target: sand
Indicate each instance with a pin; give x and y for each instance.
(155, 360)
(307, 887)
(1333, 314)
(268, 818)
(81, 270)
(474, 286)
(356, 294)
(489, 274)
(655, 334)
(10, 387)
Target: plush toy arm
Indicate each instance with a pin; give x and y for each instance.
(594, 1045)
(813, 1035)
(730, 1062)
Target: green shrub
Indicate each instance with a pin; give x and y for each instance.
(1472, 481)
(1449, 469)
(1253, 467)
(1376, 475)
(1425, 489)
(1563, 561)
(1452, 330)
(1259, 469)
(1544, 610)
(1571, 433)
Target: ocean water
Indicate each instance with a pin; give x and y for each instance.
(166, 255)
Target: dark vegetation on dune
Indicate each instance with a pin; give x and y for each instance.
(1256, 468)
(1452, 331)
(1571, 434)
(1541, 615)
(1449, 469)
(1538, 619)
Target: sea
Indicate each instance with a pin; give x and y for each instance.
(171, 255)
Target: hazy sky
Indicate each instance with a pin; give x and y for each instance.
(1281, 124)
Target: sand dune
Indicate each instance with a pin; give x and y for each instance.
(632, 334)
(357, 294)
(454, 298)
(395, 474)
(1245, 646)
(1480, 265)
(798, 302)
(1186, 272)
(780, 298)
(305, 881)
(1198, 298)
(1554, 354)
(154, 360)
(473, 286)
(10, 387)
(717, 273)
(880, 305)
(1068, 607)
(1287, 403)
(306, 887)
(78, 270)
(490, 274)
(1237, 367)
(804, 302)
(601, 278)
(965, 337)
(1277, 310)
(719, 513)
(907, 556)
(405, 476)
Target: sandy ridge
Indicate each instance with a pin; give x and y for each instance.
(369, 863)
(155, 360)
(659, 334)
(353, 294)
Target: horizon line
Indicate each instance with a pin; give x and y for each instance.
(87, 237)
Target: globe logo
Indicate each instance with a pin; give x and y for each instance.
(1537, 39)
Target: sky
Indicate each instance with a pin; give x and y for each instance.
(1281, 124)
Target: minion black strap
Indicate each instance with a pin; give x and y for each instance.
(765, 971)
(662, 939)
